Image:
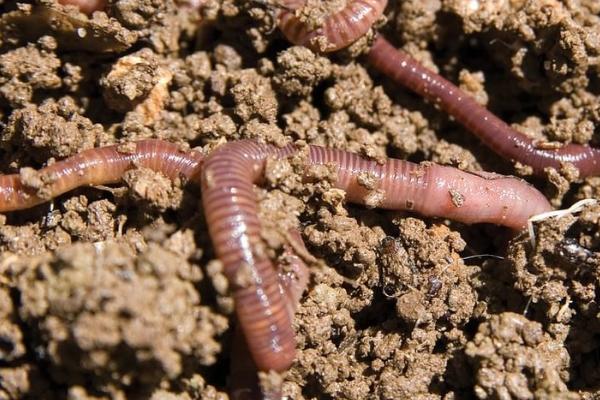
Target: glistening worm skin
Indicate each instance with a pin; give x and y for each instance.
(231, 214)
(337, 30)
(232, 217)
(97, 167)
(86, 6)
(230, 207)
(293, 281)
(492, 131)
(434, 190)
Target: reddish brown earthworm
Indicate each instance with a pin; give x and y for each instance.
(293, 279)
(344, 27)
(429, 189)
(231, 213)
(227, 178)
(86, 6)
(335, 31)
(434, 190)
(99, 166)
(492, 131)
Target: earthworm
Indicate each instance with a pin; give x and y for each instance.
(491, 130)
(429, 189)
(98, 166)
(227, 178)
(344, 27)
(228, 175)
(293, 280)
(336, 31)
(434, 190)
(86, 6)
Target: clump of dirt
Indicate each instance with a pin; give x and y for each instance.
(547, 42)
(115, 292)
(53, 129)
(154, 187)
(137, 81)
(19, 80)
(514, 358)
(93, 222)
(559, 274)
(12, 338)
(372, 330)
(299, 70)
(97, 310)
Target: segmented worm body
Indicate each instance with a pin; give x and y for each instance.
(336, 30)
(293, 279)
(265, 300)
(232, 218)
(429, 189)
(434, 190)
(492, 131)
(99, 166)
(86, 6)
(227, 178)
(344, 27)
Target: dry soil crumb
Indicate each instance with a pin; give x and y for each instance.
(160, 191)
(19, 80)
(54, 129)
(514, 358)
(300, 70)
(137, 82)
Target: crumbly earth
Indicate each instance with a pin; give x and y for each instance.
(115, 293)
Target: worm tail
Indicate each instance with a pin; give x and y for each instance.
(491, 130)
(99, 166)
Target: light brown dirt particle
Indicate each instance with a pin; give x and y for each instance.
(514, 358)
(24, 70)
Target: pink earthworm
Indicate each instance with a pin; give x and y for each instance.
(336, 31)
(231, 213)
(293, 280)
(98, 166)
(490, 129)
(85, 6)
(344, 27)
(227, 176)
(434, 190)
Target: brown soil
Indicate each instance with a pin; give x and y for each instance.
(115, 292)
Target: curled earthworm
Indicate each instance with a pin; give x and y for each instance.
(98, 166)
(227, 177)
(335, 31)
(231, 213)
(492, 131)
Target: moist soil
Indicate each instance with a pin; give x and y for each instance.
(115, 293)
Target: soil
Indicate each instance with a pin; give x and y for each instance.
(115, 293)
